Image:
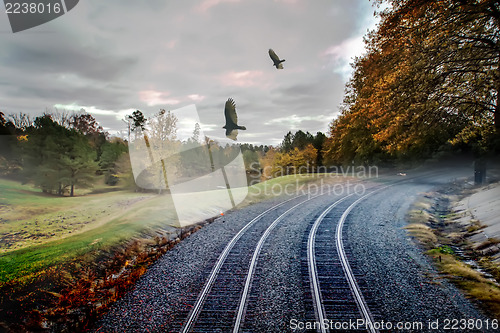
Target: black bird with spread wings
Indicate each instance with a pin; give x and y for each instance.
(231, 120)
(276, 60)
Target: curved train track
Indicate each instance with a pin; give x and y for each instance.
(222, 302)
(334, 293)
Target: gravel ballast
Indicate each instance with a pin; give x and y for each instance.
(400, 278)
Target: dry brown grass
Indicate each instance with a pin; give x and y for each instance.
(473, 283)
(487, 243)
(475, 226)
(470, 281)
(423, 233)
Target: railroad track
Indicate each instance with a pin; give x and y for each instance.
(214, 307)
(334, 294)
(284, 263)
(336, 291)
(222, 303)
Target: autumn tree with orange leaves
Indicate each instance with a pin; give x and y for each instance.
(429, 81)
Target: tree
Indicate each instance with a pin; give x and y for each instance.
(196, 133)
(430, 79)
(21, 121)
(309, 157)
(5, 127)
(453, 51)
(301, 139)
(163, 126)
(79, 165)
(87, 125)
(123, 171)
(45, 144)
(163, 132)
(252, 165)
(57, 158)
(62, 117)
(137, 125)
(138, 120)
(286, 144)
(318, 143)
(267, 164)
(298, 140)
(160, 138)
(7, 138)
(111, 152)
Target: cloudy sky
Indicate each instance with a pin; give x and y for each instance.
(115, 56)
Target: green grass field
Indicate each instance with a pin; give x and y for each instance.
(39, 231)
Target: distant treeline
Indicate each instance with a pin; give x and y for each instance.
(59, 152)
(429, 83)
(300, 152)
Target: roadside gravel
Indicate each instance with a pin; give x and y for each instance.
(403, 282)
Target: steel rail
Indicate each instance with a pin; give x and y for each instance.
(312, 268)
(339, 244)
(217, 267)
(253, 263)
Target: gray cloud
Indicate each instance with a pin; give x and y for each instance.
(113, 56)
(88, 63)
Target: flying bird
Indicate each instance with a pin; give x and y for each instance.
(231, 120)
(276, 60)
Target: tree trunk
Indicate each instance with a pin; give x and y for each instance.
(496, 118)
(72, 192)
(146, 140)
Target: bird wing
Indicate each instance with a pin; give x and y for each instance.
(230, 113)
(274, 56)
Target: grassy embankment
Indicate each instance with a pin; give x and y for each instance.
(442, 236)
(38, 231)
